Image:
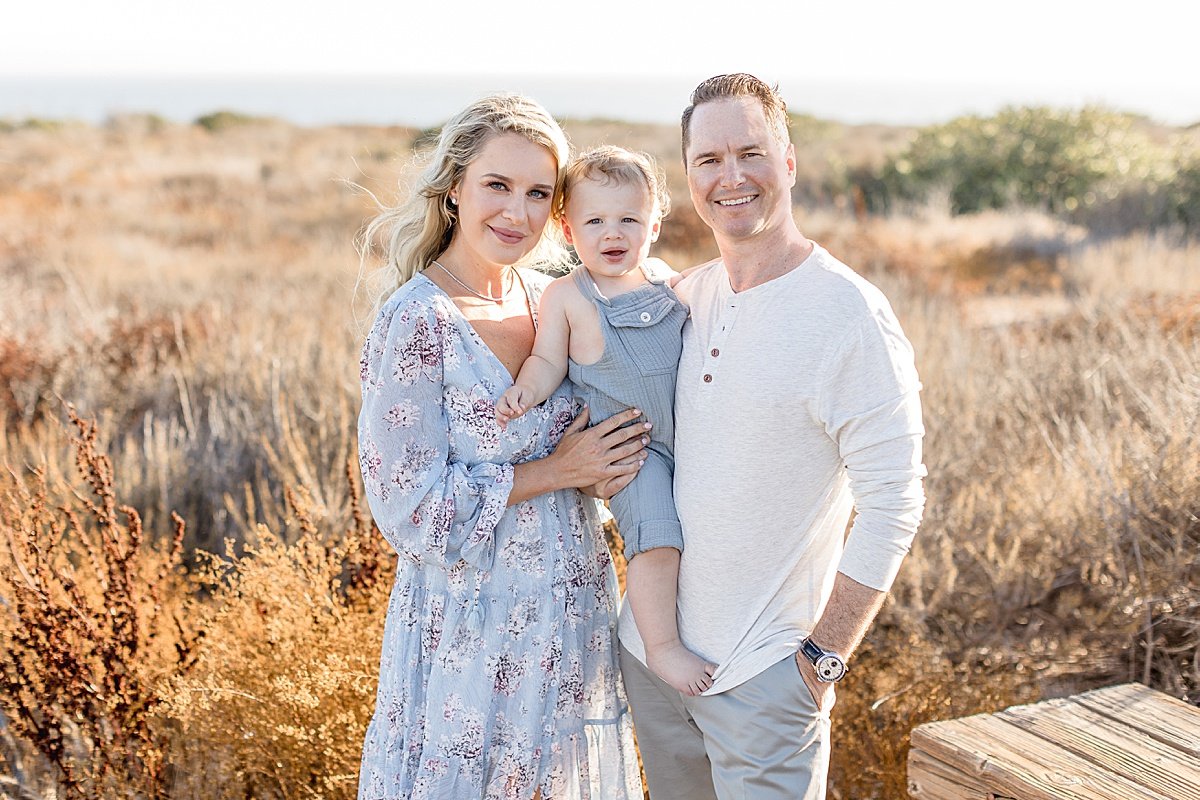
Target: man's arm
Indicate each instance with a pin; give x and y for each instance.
(871, 408)
(848, 616)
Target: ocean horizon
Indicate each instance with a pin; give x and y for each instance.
(424, 101)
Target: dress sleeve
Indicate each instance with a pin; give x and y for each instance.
(429, 506)
(871, 407)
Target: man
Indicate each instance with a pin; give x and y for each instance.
(797, 399)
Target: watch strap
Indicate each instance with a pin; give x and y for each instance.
(811, 650)
(817, 654)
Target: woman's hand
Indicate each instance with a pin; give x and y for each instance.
(602, 459)
(606, 490)
(602, 455)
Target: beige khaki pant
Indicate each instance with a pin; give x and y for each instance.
(762, 740)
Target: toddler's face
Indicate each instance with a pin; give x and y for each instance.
(611, 225)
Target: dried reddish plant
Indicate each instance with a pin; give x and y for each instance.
(26, 373)
(86, 633)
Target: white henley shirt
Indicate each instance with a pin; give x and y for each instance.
(797, 400)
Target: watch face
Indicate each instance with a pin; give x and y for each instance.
(830, 668)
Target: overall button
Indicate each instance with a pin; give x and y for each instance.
(634, 326)
(715, 352)
(708, 378)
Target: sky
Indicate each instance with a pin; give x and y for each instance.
(1095, 52)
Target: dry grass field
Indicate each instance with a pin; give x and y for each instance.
(190, 292)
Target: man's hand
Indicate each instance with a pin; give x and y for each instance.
(819, 690)
(511, 404)
(658, 268)
(677, 277)
(848, 614)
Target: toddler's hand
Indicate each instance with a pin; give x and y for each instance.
(511, 405)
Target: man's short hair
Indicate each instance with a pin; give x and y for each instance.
(738, 84)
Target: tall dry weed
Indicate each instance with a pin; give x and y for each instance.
(279, 699)
(249, 675)
(899, 681)
(91, 624)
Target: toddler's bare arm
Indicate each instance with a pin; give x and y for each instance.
(546, 366)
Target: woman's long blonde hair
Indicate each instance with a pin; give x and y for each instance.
(419, 229)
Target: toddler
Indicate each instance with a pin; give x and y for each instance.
(616, 330)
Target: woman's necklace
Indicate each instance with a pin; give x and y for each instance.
(480, 295)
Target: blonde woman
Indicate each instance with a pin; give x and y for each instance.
(498, 676)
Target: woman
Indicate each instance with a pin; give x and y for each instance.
(498, 676)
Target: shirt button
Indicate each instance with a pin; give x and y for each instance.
(715, 352)
(708, 378)
(645, 316)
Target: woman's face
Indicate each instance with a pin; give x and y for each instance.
(503, 200)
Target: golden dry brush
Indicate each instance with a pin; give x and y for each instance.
(91, 623)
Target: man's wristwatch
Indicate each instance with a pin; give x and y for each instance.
(830, 666)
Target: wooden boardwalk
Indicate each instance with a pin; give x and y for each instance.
(1125, 742)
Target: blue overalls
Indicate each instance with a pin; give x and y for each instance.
(642, 341)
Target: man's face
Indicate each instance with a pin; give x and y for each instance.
(739, 174)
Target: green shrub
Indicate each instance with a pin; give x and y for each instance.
(8, 124)
(223, 119)
(1060, 161)
(1184, 192)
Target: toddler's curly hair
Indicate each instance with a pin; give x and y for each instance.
(615, 165)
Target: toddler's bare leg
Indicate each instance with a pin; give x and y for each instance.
(651, 582)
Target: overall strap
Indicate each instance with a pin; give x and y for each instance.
(650, 276)
(587, 287)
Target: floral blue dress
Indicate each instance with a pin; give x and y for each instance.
(498, 675)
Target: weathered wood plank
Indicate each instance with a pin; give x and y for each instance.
(1163, 718)
(931, 779)
(1111, 744)
(1011, 762)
